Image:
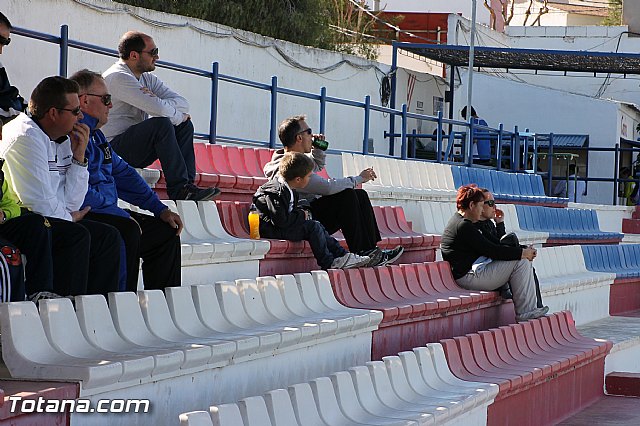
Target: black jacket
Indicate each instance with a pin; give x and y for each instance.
(272, 201)
(491, 231)
(462, 243)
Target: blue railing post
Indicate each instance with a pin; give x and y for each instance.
(439, 138)
(274, 112)
(550, 164)
(468, 144)
(616, 176)
(213, 119)
(403, 145)
(413, 145)
(499, 148)
(323, 109)
(367, 117)
(64, 49)
(515, 150)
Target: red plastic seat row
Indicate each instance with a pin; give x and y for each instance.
(543, 355)
(405, 292)
(229, 166)
(234, 218)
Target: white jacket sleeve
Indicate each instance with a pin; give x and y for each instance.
(37, 186)
(125, 87)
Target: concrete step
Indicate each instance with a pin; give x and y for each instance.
(622, 384)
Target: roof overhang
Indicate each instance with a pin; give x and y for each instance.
(531, 59)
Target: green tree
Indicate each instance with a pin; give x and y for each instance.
(615, 13)
(328, 24)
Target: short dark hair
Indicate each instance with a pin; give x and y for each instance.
(463, 113)
(5, 21)
(572, 169)
(467, 194)
(51, 93)
(85, 78)
(289, 129)
(131, 41)
(294, 165)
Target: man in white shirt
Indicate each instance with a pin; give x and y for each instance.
(149, 121)
(575, 191)
(45, 165)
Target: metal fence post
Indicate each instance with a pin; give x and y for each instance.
(213, 119)
(64, 50)
(274, 112)
(439, 138)
(367, 117)
(323, 109)
(550, 165)
(499, 147)
(403, 145)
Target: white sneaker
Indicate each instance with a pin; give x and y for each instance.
(349, 260)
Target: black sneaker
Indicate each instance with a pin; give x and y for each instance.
(376, 255)
(35, 297)
(195, 193)
(390, 256)
(505, 292)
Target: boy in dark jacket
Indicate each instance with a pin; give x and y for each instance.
(281, 218)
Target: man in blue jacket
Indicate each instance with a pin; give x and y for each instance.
(155, 239)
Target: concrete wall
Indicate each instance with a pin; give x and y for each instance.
(243, 112)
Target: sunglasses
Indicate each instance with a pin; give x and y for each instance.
(152, 52)
(106, 99)
(490, 203)
(75, 111)
(5, 41)
(307, 131)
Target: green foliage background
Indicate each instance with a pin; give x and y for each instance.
(305, 22)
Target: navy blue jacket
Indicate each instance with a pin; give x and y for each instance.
(110, 178)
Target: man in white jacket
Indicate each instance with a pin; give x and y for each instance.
(46, 166)
(149, 121)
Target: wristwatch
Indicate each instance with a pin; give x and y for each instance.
(78, 163)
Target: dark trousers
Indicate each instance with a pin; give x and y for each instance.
(156, 138)
(325, 248)
(154, 241)
(350, 211)
(538, 294)
(89, 260)
(30, 233)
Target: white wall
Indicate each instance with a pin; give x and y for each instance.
(242, 112)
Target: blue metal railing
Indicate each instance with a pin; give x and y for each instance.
(65, 44)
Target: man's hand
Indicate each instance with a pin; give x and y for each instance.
(368, 174)
(147, 91)
(80, 214)
(172, 219)
(529, 253)
(185, 117)
(499, 218)
(79, 139)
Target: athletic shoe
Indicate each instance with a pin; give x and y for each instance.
(536, 313)
(390, 256)
(349, 260)
(505, 292)
(195, 193)
(35, 297)
(375, 255)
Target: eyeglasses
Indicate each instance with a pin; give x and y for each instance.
(106, 99)
(75, 111)
(5, 41)
(307, 131)
(490, 203)
(152, 52)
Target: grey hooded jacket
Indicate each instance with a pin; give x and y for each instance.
(318, 186)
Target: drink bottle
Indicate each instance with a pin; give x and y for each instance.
(320, 144)
(254, 223)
